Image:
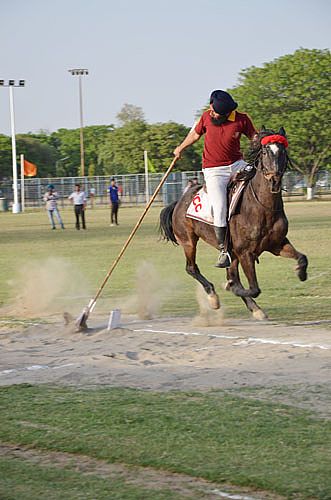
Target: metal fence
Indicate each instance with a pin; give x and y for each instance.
(133, 187)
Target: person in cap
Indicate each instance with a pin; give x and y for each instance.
(114, 201)
(222, 126)
(51, 198)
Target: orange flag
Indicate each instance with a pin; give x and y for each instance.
(30, 169)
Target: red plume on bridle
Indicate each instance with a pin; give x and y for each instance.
(274, 138)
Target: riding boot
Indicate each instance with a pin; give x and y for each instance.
(224, 259)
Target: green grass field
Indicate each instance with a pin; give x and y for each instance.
(215, 436)
(220, 436)
(27, 241)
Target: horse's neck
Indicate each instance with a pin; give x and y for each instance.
(262, 191)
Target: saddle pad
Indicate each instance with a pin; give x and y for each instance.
(236, 193)
(201, 209)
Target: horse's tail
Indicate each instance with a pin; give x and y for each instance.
(166, 230)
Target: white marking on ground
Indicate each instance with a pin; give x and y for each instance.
(199, 334)
(34, 368)
(249, 340)
(223, 494)
(18, 322)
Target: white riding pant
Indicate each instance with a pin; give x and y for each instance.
(217, 179)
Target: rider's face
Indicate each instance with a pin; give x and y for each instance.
(216, 118)
(213, 113)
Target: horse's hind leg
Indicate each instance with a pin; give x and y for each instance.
(234, 284)
(288, 250)
(193, 270)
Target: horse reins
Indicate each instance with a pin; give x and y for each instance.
(258, 201)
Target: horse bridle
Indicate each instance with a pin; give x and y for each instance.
(264, 170)
(258, 165)
(265, 141)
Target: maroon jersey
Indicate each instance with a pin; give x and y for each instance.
(222, 142)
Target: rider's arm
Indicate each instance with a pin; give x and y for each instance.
(190, 139)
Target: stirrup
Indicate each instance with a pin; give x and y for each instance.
(224, 259)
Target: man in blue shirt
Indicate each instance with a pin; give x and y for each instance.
(114, 201)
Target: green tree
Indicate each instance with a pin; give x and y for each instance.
(67, 142)
(293, 91)
(122, 151)
(130, 113)
(40, 153)
(68, 146)
(160, 141)
(5, 157)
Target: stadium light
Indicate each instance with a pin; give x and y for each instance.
(11, 83)
(80, 72)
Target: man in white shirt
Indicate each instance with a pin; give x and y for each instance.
(78, 199)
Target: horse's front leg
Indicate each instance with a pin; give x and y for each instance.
(193, 270)
(234, 284)
(247, 262)
(287, 250)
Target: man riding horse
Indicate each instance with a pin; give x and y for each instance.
(222, 126)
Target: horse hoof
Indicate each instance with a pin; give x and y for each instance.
(301, 268)
(228, 285)
(214, 301)
(301, 273)
(259, 315)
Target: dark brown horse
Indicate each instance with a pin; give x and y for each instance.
(259, 224)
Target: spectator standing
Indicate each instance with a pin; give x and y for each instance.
(51, 198)
(78, 199)
(114, 202)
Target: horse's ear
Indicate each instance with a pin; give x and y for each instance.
(282, 131)
(263, 129)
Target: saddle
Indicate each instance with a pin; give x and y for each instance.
(236, 186)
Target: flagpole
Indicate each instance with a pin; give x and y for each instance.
(16, 205)
(22, 184)
(146, 176)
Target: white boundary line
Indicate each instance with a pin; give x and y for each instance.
(223, 494)
(242, 341)
(34, 368)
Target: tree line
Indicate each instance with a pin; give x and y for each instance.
(292, 91)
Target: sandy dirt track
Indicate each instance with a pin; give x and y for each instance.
(172, 353)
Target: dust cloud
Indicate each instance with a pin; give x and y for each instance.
(45, 287)
(207, 316)
(150, 293)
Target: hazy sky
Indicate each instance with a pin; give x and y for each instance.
(164, 56)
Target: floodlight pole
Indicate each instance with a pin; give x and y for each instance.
(16, 206)
(82, 162)
(11, 83)
(80, 72)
